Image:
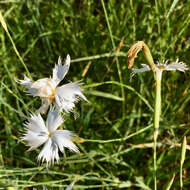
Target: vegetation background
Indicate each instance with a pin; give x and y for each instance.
(117, 121)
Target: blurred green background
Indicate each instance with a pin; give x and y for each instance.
(119, 114)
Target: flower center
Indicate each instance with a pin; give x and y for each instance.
(52, 95)
(48, 91)
(49, 134)
(161, 67)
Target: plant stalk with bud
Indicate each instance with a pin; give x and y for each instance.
(157, 70)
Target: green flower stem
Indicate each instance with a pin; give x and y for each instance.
(157, 106)
(148, 57)
(157, 112)
(132, 54)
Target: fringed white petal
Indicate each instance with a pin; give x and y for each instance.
(36, 124)
(36, 132)
(163, 63)
(141, 70)
(60, 70)
(34, 139)
(49, 153)
(26, 82)
(54, 120)
(65, 105)
(63, 139)
(44, 87)
(40, 83)
(67, 95)
(180, 66)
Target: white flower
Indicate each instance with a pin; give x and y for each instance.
(180, 66)
(47, 89)
(38, 133)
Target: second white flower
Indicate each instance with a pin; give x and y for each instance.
(38, 133)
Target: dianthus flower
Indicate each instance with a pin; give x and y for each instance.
(63, 97)
(38, 133)
(160, 67)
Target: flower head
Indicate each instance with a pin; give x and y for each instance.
(38, 133)
(63, 97)
(164, 66)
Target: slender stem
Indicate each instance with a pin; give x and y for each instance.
(120, 139)
(17, 53)
(183, 152)
(99, 56)
(117, 62)
(2, 21)
(181, 177)
(157, 112)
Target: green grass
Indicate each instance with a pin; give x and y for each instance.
(117, 121)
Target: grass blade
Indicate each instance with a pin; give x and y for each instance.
(172, 7)
(13, 44)
(117, 62)
(104, 95)
(170, 183)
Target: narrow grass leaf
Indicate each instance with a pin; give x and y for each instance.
(125, 86)
(117, 62)
(104, 95)
(172, 8)
(99, 56)
(3, 22)
(140, 183)
(170, 183)
(13, 44)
